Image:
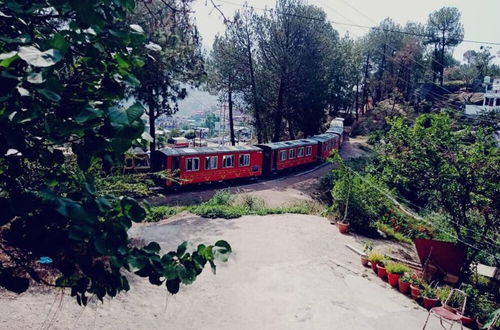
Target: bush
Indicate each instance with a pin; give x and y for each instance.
(130, 185)
(207, 210)
(375, 257)
(221, 197)
(391, 233)
(157, 213)
(396, 268)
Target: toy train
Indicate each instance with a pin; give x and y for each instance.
(185, 166)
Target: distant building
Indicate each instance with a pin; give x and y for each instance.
(491, 98)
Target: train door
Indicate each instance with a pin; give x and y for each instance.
(176, 172)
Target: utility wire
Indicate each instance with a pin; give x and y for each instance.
(354, 25)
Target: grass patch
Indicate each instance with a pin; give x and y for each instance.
(223, 205)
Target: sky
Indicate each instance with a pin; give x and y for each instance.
(480, 18)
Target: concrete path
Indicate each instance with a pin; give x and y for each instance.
(286, 272)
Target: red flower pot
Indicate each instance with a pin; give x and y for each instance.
(467, 321)
(374, 266)
(404, 287)
(415, 292)
(343, 227)
(364, 260)
(393, 279)
(382, 273)
(430, 302)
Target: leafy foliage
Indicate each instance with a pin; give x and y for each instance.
(435, 165)
(65, 66)
(355, 198)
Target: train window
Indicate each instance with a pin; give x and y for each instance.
(283, 155)
(291, 153)
(211, 162)
(192, 164)
(300, 153)
(308, 151)
(228, 161)
(498, 102)
(245, 160)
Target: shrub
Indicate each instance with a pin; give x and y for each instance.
(396, 268)
(157, 213)
(391, 233)
(221, 197)
(130, 185)
(429, 292)
(218, 211)
(406, 278)
(375, 257)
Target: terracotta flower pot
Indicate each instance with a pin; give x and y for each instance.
(393, 279)
(364, 260)
(374, 266)
(343, 227)
(415, 292)
(467, 321)
(381, 272)
(404, 287)
(430, 302)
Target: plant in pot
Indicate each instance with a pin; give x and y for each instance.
(343, 225)
(479, 304)
(367, 248)
(374, 258)
(416, 285)
(394, 271)
(381, 271)
(429, 296)
(404, 283)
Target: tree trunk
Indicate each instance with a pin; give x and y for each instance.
(231, 124)
(278, 115)
(441, 65)
(152, 132)
(357, 103)
(365, 84)
(256, 101)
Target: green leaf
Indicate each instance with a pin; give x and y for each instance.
(173, 286)
(58, 42)
(152, 247)
(8, 58)
(221, 251)
(49, 95)
(35, 57)
(134, 112)
(181, 249)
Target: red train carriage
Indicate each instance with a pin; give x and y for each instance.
(338, 131)
(326, 143)
(195, 165)
(281, 155)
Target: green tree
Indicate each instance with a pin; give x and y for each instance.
(65, 67)
(444, 31)
(172, 57)
(450, 169)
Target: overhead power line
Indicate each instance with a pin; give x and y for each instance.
(353, 24)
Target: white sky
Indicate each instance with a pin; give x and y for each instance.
(480, 18)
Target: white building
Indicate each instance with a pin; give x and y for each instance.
(491, 98)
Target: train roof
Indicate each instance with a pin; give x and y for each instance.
(336, 130)
(323, 137)
(206, 150)
(288, 144)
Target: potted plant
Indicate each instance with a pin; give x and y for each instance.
(404, 283)
(343, 226)
(394, 271)
(381, 271)
(374, 258)
(367, 248)
(416, 285)
(429, 296)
